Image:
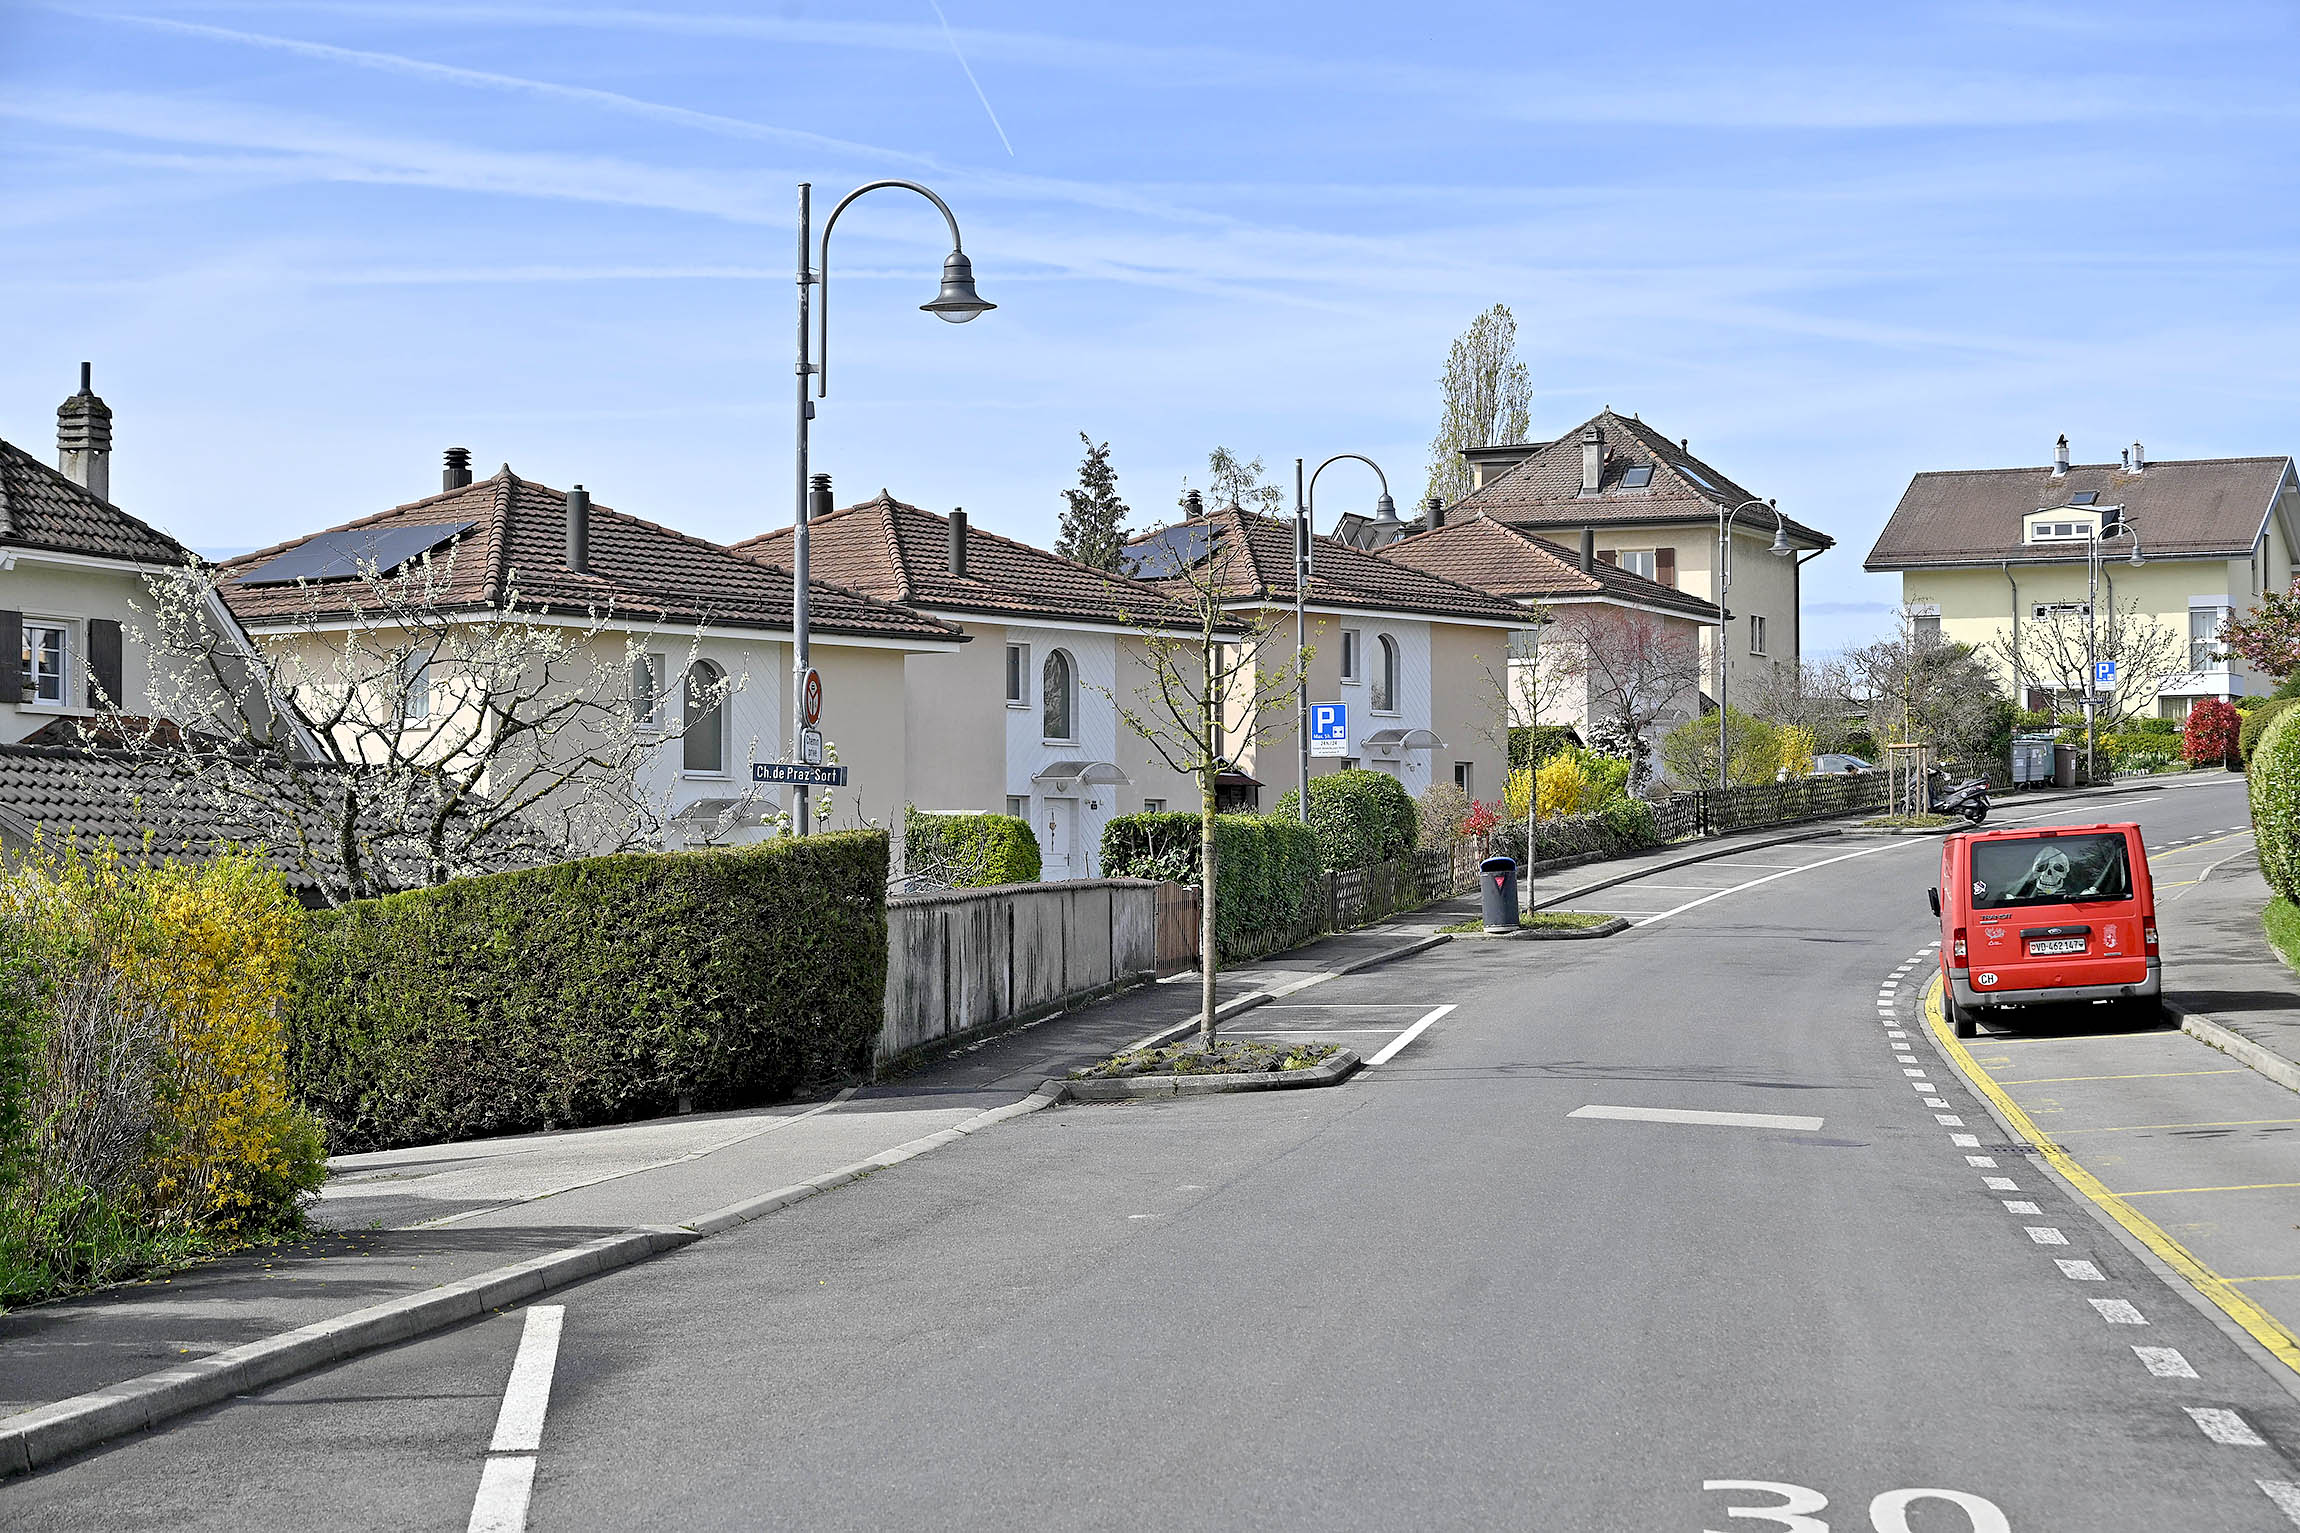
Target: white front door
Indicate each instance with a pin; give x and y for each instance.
(1059, 839)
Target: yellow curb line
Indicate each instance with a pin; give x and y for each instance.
(2262, 1326)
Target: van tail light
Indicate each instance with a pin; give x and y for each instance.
(2148, 938)
(1957, 948)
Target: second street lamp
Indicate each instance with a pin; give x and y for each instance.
(957, 302)
(1781, 549)
(1305, 531)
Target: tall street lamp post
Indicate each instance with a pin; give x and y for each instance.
(1306, 529)
(1781, 550)
(2092, 557)
(957, 303)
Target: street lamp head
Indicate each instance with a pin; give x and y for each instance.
(957, 302)
(1781, 548)
(2134, 556)
(1385, 509)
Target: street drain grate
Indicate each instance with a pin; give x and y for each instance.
(2012, 1149)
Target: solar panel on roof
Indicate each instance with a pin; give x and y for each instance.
(1694, 474)
(1169, 551)
(352, 551)
(1637, 476)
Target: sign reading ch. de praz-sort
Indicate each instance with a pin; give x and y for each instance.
(795, 772)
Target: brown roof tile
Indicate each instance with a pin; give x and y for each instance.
(2195, 506)
(898, 552)
(1545, 490)
(40, 508)
(1509, 561)
(517, 551)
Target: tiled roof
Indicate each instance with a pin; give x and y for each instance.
(78, 799)
(1545, 490)
(2199, 506)
(1512, 562)
(900, 553)
(1255, 560)
(638, 570)
(40, 508)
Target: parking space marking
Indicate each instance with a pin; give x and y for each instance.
(2158, 1075)
(1390, 1050)
(1699, 1116)
(2138, 1128)
(2273, 1277)
(2158, 1192)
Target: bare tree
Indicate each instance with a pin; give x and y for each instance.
(1814, 695)
(381, 741)
(2053, 651)
(1488, 399)
(1919, 688)
(1638, 669)
(1211, 686)
(1236, 481)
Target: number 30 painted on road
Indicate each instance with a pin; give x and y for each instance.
(1888, 1513)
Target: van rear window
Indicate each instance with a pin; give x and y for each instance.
(2059, 870)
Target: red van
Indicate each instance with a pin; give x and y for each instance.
(2036, 917)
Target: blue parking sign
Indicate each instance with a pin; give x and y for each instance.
(1329, 729)
(2104, 673)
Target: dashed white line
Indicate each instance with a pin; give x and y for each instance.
(1950, 1120)
(504, 1488)
(2046, 1235)
(2076, 1271)
(2118, 1312)
(2224, 1427)
(1688, 1115)
(2164, 1362)
(1965, 1141)
(1918, 1071)
(1980, 1160)
(2021, 1206)
(1997, 1183)
(508, 1480)
(1933, 1101)
(2285, 1494)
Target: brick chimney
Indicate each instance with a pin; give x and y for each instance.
(457, 471)
(958, 542)
(579, 530)
(1592, 459)
(84, 439)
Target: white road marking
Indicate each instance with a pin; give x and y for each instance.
(1933, 1101)
(1980, 1160)
(1913, 1072)
(2021, 1206)
(1869, 851)
(2046, 1235)
(1689, 1115)
(1965, 1141)
(519, 1425)
(1894, 1033)
(1390, 1049)
(2164, 1362)
(504, 1487)
(2118, 1312)
(2285, 1494)
(1950, 1120)
(2078, 1272)
(1996, 1183)
(2224, 1427)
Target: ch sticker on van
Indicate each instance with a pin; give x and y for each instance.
(1984, 979)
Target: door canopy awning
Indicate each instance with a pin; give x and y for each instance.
(1093, 774)
(1403, 739)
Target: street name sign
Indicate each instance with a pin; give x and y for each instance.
(800, 773)
(1329, 729)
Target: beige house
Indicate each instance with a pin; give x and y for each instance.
(2000, 559)
(72, 571)
(1653, 509)
(698, 636)
(1610, 639)
(1419, 663)
(1025, 718)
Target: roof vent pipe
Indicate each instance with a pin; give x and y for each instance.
(579, 530)
(958, 542)
(818, 497)
(1436, 510)
(457, 471)
(2127, 459)
(1592, 459)
(2060, 457)
(1588, 549)
(2139, 458)
(1193, 505)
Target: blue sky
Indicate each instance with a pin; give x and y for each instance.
(310, 243)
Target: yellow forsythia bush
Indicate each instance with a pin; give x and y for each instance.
(1565, 785)
(1517, 793)
(1795, 743)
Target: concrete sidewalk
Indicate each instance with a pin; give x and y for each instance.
(399, 1223)
(2222, 976)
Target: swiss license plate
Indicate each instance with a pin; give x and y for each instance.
(2056, 945)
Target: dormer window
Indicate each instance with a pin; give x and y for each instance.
(2044, 529)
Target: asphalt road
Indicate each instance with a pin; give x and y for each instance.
(1432, 1297)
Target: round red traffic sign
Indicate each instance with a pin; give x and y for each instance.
(811, 696)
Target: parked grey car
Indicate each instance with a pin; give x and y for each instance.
(1836, 763)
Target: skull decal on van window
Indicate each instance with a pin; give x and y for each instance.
(2049, 873)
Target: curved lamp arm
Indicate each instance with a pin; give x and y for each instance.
(1310, 506)
(823, 272)
(1725, 520)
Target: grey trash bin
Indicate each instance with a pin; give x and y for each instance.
(1497, 883)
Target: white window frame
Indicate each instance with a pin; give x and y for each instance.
(1353, 657)
(2216, 658)
(1069, 701)
(1756, 633)
(687, 725)
(1017, 675)
(1465, 777)
(1640, 561)
(1153, 806)
(1018, 804)
(415, 688)
(1390, 659)
(647, 706)
(1927, 626)
(66, 646)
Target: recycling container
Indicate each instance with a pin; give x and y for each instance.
(1497, 882)
(2064, 766)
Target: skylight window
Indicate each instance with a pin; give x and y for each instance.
(2084, 498)
(1637, 476)
(1694, 474)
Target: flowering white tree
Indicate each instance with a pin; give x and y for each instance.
(380, 740)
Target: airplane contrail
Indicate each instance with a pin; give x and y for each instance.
(970, 79)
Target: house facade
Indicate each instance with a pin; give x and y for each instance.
(1420, 663)
(1025, 719)
(2000, 559)
(694, 641)
(1610, 641)
(73, 568)
(1652, 508)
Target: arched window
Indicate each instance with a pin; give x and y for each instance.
(705, 718)
(1386, 676)
(1057, 683)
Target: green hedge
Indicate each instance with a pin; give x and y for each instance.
(2274, 787)
(1532, 744)
(591, 992)
(2256, 721)
(1268, 891)
(1360, 817)
(968, 851)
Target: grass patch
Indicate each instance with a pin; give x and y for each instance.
(1910, 821)
(1540, 920)
(1228, 1056)
(2281, 919)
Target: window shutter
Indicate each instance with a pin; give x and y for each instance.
(104, 667)
(1665, 566)
(1610, 556)
(12, 679)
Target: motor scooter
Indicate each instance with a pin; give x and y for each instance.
(1969, 798)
